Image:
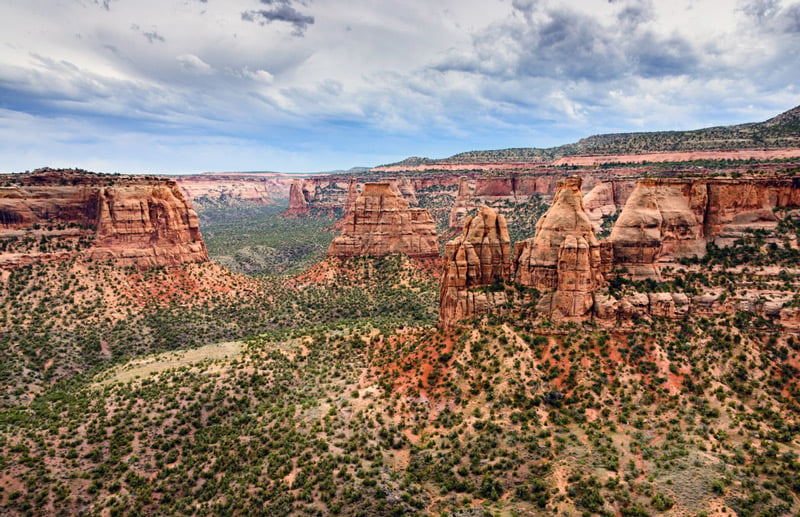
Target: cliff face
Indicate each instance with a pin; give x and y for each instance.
(132, 221)
(671, 218)
(226, 190)
(380, 223)
(480, 257)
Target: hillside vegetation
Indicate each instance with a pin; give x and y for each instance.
(777, 132)
(343, 399)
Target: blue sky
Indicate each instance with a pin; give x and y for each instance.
(178, 86)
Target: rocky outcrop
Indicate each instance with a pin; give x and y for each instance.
(298, 204)
(563, 256)
(536, 259)
(659, 218)
(664, 219)
(380, 223)
(131, 221)
(479, 258)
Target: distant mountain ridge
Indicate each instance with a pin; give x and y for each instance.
(781, 131)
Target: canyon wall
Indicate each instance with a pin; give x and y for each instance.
(232, 189)
(666, 218)
(131, 221)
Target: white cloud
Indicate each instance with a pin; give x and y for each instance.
(194, 64)
(367, 74)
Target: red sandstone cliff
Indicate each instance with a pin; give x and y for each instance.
(381, 223)
(671, 218)
(132, 221)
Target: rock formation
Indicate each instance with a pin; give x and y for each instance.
(563, 256)
(298, 205)
(504, 193)
(380, 223)
(607, 198)
(463, 203)
(659, 218)
(349, 204)
(480, 257)
(132, 221)
(665, 219)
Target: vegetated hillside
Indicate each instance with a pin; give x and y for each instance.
(339, 396)
(379, 413)
(257, 240)
(780, 131)
(58, 320)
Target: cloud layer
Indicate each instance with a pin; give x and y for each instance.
(191, 85)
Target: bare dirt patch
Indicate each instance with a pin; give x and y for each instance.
(140, 368)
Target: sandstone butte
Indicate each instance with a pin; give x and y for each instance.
(480, 257)
(298, 205)
(380, 223)
(129, 220)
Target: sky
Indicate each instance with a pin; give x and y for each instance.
(182, 86)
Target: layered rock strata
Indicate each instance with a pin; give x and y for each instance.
(479, 258)
(380, 223)
(131, 221)
(233, 189)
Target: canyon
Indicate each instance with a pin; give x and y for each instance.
(594, 339)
